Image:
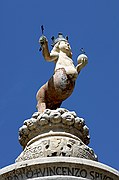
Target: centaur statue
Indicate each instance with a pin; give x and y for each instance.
(60, 86)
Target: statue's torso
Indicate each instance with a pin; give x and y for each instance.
(66, 63)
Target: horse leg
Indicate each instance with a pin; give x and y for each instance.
(41, 100)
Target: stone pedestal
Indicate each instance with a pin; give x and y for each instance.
(55, 133)
(58, 168)
(55, 147)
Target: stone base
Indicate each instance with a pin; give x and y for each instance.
(60, 178)
(52, 133)
(59, 120)
(56, 144)
(58, 168)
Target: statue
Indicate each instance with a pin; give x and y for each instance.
(55, 131)
(60, 86)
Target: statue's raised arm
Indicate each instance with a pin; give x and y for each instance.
(60, 86)
(45, 50)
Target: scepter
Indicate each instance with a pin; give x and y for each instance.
(42, 30)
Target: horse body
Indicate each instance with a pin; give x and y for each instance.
(59, 87)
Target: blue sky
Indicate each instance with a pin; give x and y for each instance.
(91, 24)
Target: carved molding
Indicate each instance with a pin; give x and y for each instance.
(59, 120)
(56, 144)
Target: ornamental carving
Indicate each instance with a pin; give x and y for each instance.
(59, 120)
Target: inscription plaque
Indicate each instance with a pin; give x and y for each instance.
(72, 167)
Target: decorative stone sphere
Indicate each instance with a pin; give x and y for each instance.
(82, 57)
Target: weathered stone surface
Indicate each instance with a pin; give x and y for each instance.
(61, 85)
(55, 117)
(56, 144)
(59, 178)
(59, 120)
(59, 168)
(55, 133)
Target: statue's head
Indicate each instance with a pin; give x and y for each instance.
(58, 39)
(61, 44)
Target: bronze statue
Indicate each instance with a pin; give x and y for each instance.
(60, 86)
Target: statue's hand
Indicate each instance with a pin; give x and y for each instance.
(82, 61)
(43, 40)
